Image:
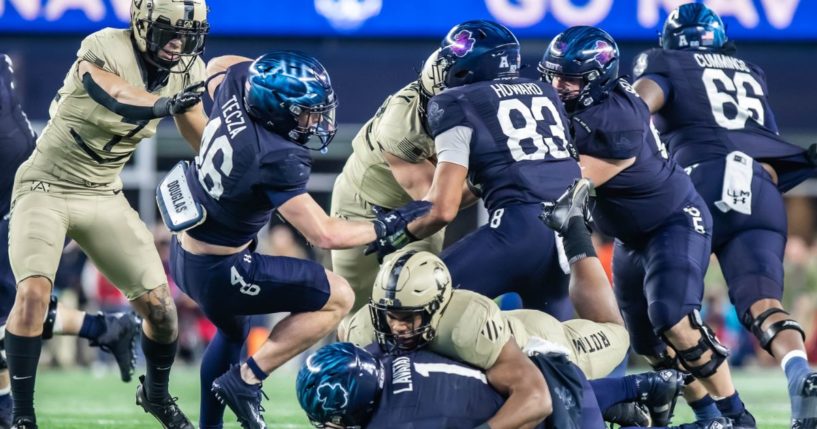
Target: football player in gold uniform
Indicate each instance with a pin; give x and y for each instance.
(392, 163)
(113, 96)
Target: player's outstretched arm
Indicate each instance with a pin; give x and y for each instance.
(516, 377)
(191, 125)
(335, 233)
(650, 92)
(446, 195)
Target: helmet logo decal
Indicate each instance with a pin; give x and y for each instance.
(604, 52)
(332, 396)
(463, 43)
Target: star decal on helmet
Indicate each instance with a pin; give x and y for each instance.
(462, 43)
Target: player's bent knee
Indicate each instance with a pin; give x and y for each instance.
(159, 311)
(703, 359)
(766, 330)
(33, 293)
(341, 295)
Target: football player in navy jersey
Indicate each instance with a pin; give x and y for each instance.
(661, 225)
(254, 159)
(344, 386)
(723, 131)
(505, 137)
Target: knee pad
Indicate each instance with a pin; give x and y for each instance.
(50, 318)
(754, 325)
(708, 342)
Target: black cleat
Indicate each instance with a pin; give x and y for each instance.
(716, 423)
(744, 420)
(630, 414)
(806, 400)
(24, 423)
(244, 399)
(572, 204)
(119, 339)
(167, 412)
(659, 391)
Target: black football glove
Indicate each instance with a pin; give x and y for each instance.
(390, 227)
(180, 102)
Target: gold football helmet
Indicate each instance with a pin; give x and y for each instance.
(169, 32)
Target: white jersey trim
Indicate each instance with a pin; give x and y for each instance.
(454, 145)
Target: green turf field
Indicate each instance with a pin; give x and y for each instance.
(77, 399)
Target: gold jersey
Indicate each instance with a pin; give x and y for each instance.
(85, 142)
(473, 330)
(397, 128)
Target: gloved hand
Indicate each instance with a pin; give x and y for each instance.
(180, 102)
(390, 227)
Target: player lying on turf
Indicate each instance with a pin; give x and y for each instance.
(344, 386)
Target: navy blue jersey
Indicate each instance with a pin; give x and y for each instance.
(16, 136)
(519, 150)
(424, 390)
(243, 171)
(644, 195)
(715, 104)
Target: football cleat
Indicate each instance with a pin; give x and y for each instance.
(628, 414)
(658, 391)
(119, 339)
(244, 399)
(716, 423)
(167, 412)
(807, 399)
(24, 423)
(744, 420)
(572, 204)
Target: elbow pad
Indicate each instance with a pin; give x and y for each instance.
(126, 110)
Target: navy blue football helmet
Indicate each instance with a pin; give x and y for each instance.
(340, 384)
(586, 53)
(693, 26)
(473, 51)
(289, 92)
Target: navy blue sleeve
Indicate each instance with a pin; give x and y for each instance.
(445, 112)
(7, 99)
(284, 175)
(662, 81)
(653, 62)
(605, 144)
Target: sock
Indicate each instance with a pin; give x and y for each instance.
(796, 367)
(23, 355)
(219, 355)
(731, 406)
(577, 241)
(158, 360)
(256, 370)
(610, 391)
(92, 326)
(705, 408)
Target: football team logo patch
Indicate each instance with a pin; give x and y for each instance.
(462, 43)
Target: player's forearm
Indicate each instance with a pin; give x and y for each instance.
(437, 219)
(343, 234)
(99, 83)
(191, 125)
(523, 409)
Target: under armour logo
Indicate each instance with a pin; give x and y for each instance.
(248, 258)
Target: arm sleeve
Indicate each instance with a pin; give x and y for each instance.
(93, 50)
(481, 333)
(399, 130)
(445, 112)
(284, 175)
(454, 145)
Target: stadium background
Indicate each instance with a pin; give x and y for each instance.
(372, 48)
